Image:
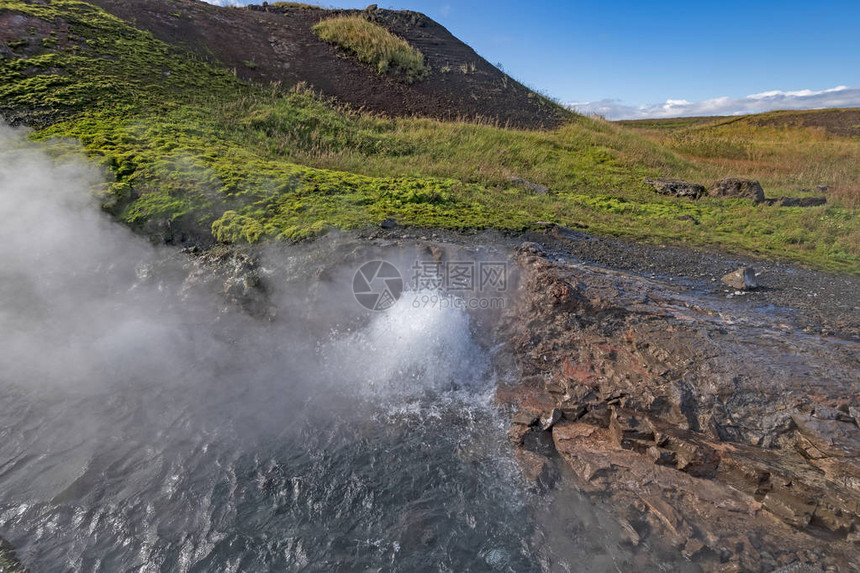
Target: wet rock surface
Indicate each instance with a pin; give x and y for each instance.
(711, 427)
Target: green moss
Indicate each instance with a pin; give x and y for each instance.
(235, 228)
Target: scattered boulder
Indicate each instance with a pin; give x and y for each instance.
(823, 188)
(742, 279)
(676, 187)
(689, 218)
(388, 223)
(736, 188)
(372, 8)
(533, 187)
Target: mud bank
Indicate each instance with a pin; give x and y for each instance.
(715, 428)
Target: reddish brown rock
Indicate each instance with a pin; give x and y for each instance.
(726, 437)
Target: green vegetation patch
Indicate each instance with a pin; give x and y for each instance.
(8, 561)
(374, 45)
(189, 147)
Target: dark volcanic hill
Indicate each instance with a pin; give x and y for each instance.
(276, 44)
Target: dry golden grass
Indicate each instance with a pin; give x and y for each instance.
(786, 159)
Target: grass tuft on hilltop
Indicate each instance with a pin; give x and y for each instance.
(189, 147)
(374, 45)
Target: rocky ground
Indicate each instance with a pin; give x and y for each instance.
(720, 426)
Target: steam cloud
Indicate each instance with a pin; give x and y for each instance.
(92, 314)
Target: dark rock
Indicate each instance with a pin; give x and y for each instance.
(574, 413)
(692, 455)
(829, 438)
(822, 188)
(517, 434)
(737, 188)
(742, 279)
(533, 187)
(597, 415)
(388, 223)
(537, 469)
(661, 456)
(525, 419)
(837, 520)
(676, 187)
(790, 508)
(671, 517)
(372, 8)
(692, 548)
(827, 413)
(627, 425)
(554, 417)
(688, 218)
(855, 413)
(555, 387)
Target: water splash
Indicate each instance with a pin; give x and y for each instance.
(410, 352)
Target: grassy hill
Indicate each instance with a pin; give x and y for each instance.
(195, 153)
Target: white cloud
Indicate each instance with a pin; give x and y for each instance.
(840, 96)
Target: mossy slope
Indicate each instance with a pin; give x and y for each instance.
(190, 147)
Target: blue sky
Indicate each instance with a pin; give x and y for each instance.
(633, 57)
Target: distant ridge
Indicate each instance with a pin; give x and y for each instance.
(840, 121)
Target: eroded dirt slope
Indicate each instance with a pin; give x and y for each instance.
(277, 45)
